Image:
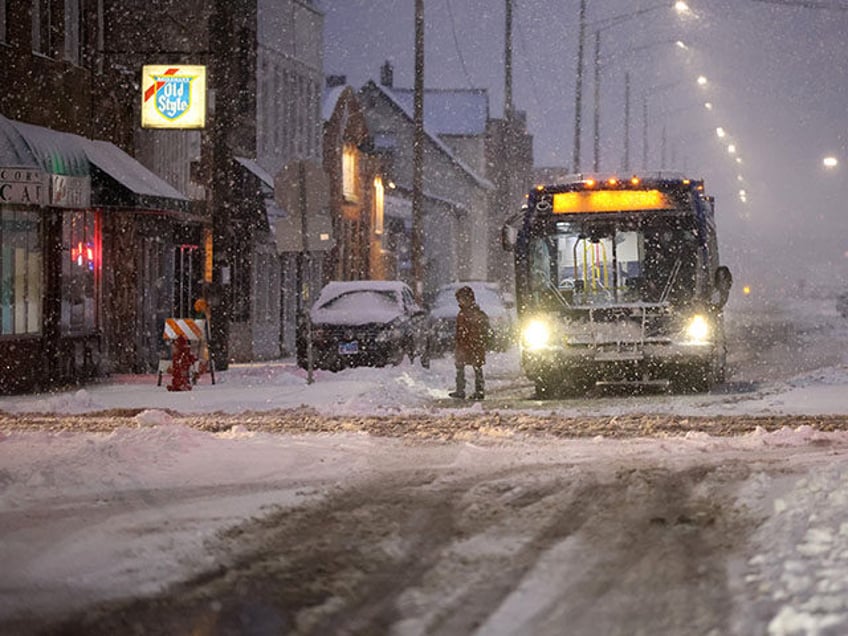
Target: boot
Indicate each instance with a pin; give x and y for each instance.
(479, 384)
(460, 384)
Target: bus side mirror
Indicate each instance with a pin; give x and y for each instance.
(723, 281)
(508, 237)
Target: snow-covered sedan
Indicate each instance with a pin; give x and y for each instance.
(365, 323)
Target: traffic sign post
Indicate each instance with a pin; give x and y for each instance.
(301, 190)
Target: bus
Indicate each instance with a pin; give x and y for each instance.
(618, 281)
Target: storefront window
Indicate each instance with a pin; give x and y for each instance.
(80, 271)
(20, 273)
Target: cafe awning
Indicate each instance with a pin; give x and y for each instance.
(14, 151)
(120, 180)
(117, 179)
(56, 152)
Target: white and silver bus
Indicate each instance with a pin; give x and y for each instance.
(619, 281)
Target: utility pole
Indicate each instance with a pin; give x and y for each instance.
(418, 157)
(596, 157)
(626, 122)
(508, 63)
(578, 92)
(223, 69)
(644, 132)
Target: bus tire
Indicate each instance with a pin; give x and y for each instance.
(694, 378)
(546, 388)
(577, 385)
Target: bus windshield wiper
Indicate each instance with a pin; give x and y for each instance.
(671, 278)
(557, 294)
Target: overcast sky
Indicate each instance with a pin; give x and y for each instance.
(777, 79)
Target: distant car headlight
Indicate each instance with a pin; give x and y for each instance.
(536, 334)
(699, 330)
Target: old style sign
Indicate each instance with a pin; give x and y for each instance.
(173, 96)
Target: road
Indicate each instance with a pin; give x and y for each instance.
(444, 537)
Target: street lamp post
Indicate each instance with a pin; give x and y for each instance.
(578, 91)
(598, 67)
(418, 156)
(653, 91)
(680, 7)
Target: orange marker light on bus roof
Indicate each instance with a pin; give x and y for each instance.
(635, 181)
(613, 181)
(590, 183)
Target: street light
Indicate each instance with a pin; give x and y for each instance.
(653, 91)
(597, 95)
(680, 7)
(830, 162)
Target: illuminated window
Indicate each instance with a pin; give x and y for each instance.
(81, 258)
(20, 273)
(349, 172)
(379, 202)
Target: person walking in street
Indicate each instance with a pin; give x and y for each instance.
(472, 335)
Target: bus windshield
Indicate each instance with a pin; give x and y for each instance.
(600, 262)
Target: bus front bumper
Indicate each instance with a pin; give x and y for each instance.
(641, 362)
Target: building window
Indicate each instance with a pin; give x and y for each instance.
(379, 204)
(72, 31)
(81, 259)
(42, 28)
(349, 172)
(2, 20)
(20, 273)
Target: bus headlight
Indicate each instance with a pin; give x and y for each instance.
(699, 330)
(536, 334)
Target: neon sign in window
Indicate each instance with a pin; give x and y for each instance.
(81, 265)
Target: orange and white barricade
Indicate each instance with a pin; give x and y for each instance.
(195, 331)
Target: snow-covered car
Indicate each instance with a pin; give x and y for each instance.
(365, 323)
(497, 305)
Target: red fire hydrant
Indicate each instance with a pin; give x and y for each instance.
(181, 360)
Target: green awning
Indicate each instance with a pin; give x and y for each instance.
(56, 152)
(14, 151)
(116, 179)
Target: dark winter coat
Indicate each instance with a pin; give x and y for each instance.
(472, 335)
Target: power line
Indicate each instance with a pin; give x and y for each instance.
(808, 4)
(456, 44)
(524, 57)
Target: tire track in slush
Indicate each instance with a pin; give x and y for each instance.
(640, 549)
